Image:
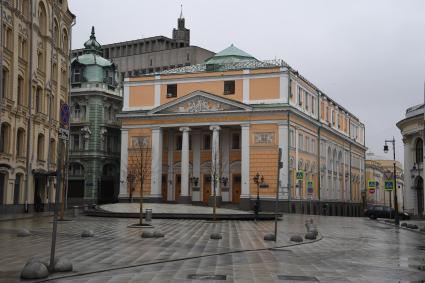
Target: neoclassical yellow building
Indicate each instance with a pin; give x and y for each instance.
(225, 120)
(35, 46)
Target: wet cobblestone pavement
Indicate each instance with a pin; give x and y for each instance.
(351, 250)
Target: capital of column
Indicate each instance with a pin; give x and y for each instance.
(215, 128)
(184, 129)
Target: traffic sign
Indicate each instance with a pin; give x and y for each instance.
(371, 184)
(310, 186)
(300, 175)
(371, 191)
(64, 114)
(389, 185)
(63, 134)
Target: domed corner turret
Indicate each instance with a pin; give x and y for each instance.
(91, 45)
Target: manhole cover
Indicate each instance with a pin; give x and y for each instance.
(298, 278)
(206, 277)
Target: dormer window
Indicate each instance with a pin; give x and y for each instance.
(171, 90)
(229, 87)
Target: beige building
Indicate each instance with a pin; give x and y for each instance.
(379, 170)
(215, 125)
(35, 45)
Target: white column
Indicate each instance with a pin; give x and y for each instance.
(170, 173)
(284, 86)
(297, 183)
(225, 166)
(185, 162)
(196, 149)
(245, 87)
(156, 169)
(245, 161)
(215, 158)
(283, 175)
(124, 163)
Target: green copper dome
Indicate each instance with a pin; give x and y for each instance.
(91, 45)
(231, 54)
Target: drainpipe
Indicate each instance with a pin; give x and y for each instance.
(28, 153)
(1, 61)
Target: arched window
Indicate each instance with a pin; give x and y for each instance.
(5, 85)
(20, 143)
(419, 149)
(40, 147)
(77, 111)
(76, 169)
(56, 34)
(65, 41)
(52, 151)
(5, 138)
(38, 100)
(42, 18)
(20, 99)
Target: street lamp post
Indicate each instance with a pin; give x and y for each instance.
(396, 216)
(258, 181)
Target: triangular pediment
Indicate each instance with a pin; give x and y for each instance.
(200, 102)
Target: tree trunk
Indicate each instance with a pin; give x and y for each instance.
(141, 203)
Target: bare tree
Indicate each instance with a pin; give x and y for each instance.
(139, 166)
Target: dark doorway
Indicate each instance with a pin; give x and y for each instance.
(2, 186)
(164, 188)
(178, 187)
(76, 189)
(17, 189)
(107, 191)
(236, 188)
(206, 188)
(420, 195)
(38, 194)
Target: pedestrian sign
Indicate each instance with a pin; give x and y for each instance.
(371, 184)
(300, 175)
(310, 186)
(389, 185)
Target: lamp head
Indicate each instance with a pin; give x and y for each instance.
(386, 148)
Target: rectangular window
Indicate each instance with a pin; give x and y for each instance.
(171, 90)
(137, 141)
(264, 138)
(300, 141)
(306, 100)
(229, 87)
(291, 138)
(236, 143)
(207, 142)
(300, 96)
(76, 142)
(307, 144)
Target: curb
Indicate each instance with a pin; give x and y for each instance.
(400, 227)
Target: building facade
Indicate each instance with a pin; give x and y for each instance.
(96, 98)
(217, 124)
(154, 54)
(35, 45)
(379, 170)
(412, 130)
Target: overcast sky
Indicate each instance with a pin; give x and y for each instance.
(369, 56)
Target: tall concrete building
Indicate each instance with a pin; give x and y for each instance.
(95, 132)
(154, 54)
(35, 45)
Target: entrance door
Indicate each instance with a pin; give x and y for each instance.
(2, 187)
(164, 188)
(107, 190)
(206, 188)
(17, 189)
(178, 187)
(38, 195)
(236, 189)
(420, 195)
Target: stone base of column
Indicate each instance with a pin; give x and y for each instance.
(245, 204)
(184, 199)
(219, 200)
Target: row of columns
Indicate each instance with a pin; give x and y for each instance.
(156, 170)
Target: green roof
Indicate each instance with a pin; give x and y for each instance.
(92, 59)
(231, 54)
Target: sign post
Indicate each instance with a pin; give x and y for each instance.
(64, 120)
(279, 166)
